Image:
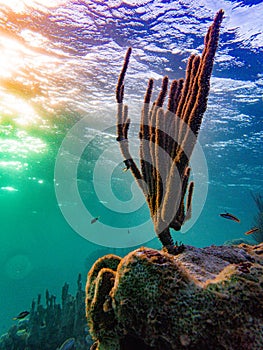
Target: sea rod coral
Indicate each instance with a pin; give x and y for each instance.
(48, 326)
(258, 219)
(167, 137)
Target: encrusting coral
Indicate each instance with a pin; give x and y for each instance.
(203, 298)
(167, 138)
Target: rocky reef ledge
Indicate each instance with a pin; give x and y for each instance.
(202, 298)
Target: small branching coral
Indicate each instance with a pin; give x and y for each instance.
(167, 137)
(258, 219)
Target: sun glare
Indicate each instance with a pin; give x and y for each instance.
(9, 188)
(34, 39)
(17, 148)
(21, 5)
(24, 112)
(21, 76)
(11, 55)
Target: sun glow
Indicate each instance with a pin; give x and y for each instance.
(22, 5)
(24, 76)
(12, 53)
(24, 113)
(9, 188)
(16, 147)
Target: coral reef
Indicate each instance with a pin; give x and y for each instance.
(237, 241)
(49, 326)
(203, 298)
(167, 137)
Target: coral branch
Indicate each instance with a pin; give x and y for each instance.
(167, 138)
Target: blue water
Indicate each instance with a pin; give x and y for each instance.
(59, 63)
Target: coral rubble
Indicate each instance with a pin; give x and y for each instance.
(203, 298)
(49, 326)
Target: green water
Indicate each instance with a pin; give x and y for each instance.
(39, 249)
(59, 63)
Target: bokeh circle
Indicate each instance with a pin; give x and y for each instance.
(102, 202)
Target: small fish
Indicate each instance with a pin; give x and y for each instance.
(230, 217)
(252, 230)
(128, 164)
(68, 344)
(22, 315)
(94, 220)
(120, 138)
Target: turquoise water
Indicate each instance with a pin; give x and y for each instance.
(60, 62)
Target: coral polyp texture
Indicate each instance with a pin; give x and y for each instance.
(168, 137)
(203, 298)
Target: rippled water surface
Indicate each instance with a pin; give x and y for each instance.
(59, 63)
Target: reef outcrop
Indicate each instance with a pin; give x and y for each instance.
(202, 298)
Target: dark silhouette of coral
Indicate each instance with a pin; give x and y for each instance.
(167, 138)
(49, 325)
(258, 220)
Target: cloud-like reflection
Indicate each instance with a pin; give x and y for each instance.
(16, 147)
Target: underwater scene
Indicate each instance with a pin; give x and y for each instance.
(69, 192)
